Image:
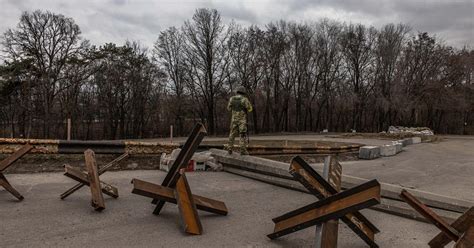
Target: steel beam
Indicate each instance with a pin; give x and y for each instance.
(167, 194)
(319, 187)
(101, 171)
(333, 207)
(187, 207)
(83, 178)
(7, 162)
(326, 233)
(181, 161)
(462, 224)
(467, 239)
(430, 215)
(8, 187)
(91, 179)
(97, 201)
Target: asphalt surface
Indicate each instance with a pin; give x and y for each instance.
(445, 168)
(43, 220)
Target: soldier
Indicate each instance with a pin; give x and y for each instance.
(240, 106)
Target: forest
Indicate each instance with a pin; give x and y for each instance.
(300, 77)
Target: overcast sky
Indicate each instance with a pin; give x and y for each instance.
(141, 20)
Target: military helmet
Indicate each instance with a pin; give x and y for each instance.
(241, 90)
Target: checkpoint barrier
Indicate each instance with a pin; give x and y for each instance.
(175, 188)
(461, 231)
(332, 206)
(9, 161)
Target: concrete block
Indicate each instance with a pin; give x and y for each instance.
(407, 142)
(416, 140)
(401, 142)
(369, 152)
(398, 147)
(388, 150)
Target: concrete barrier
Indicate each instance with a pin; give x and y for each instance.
(407, 141)
(416, 140)
(369, 152)
(388, 150)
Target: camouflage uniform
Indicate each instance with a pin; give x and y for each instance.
(240, 106)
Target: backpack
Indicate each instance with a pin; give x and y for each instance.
(236, 103)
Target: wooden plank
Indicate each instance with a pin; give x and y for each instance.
(430, 215)
(316, 184)
(83, 178)
(181, 161)
(7, 162)
(467, 239)
(94, 184)
(102, 170)
(187, 207)
(461, 224)
(333, 207)
(8, 187)
(167, 194)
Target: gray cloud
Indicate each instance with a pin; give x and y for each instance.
(120, 20)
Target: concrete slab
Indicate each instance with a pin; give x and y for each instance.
(42, 220)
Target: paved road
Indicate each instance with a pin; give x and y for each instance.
(445, 167)
(42, 220)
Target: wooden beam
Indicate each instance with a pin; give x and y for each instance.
(4, 164)
(181, 161)
(319, 187)
(430, 215)
(461, 225)
(167, 194)
(102, 170)
(187, 207)
(97, 202)
(333, 207)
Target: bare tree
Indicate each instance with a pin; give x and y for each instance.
(245, 48)
(169, 52)
(357, 48)
(49, 41)
(206, 58)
